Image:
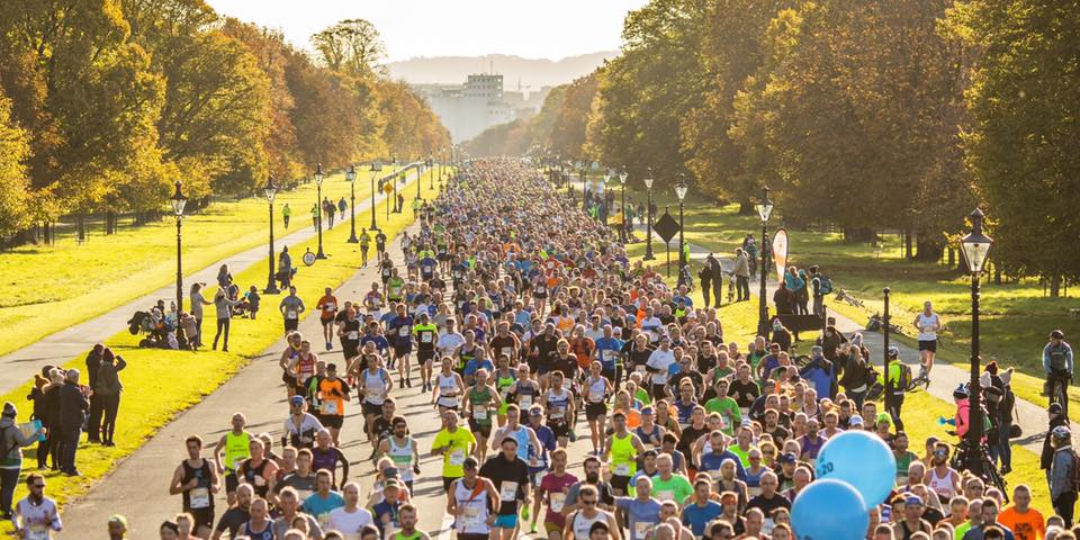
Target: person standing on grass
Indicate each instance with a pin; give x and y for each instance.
(74, 402)
(929, 324)
(742, 275)
(705, 278)
(11, 444)
(107, 387)
(93, 362)
(285, 269)
(223, 306)
(197, 303)
(286, 213)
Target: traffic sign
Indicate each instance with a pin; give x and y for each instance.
(666, 227)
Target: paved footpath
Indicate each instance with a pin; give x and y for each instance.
(944, 378)
(19, 366)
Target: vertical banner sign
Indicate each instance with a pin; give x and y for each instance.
(780, 252)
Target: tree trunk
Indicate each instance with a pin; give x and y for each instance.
(997, 274)
(81, 228)
(746, 208)
(907, 245)
(952, 257)
(1055, 286)
(928, 250)
(48, 232)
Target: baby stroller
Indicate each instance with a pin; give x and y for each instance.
(154, 326)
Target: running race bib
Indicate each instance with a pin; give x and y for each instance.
(525, 401)
(641, 530)
(470, 516)
(596, 396)
(290, 314)
(331, 307)
(607, 355)
(403, 331)
(329, 408)
(260, 481)
(665, 495)
(37, 532)
(508, 491)
(426, 337)
(558, 500)
(324, 521)
(199, 498)
(622, 469)
(480, 414)
(353, 336)
(640, 368)
(457, 458)
(557, 412)
(508, 351)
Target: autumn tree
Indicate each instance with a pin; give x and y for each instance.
(14, 185)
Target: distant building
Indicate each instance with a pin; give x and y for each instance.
(468, 109)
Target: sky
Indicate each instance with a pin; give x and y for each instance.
(552, 29)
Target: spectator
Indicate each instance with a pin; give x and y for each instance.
(93, 361)
(12, 441)
(742, 275)
(107, 387)
(197, 303)
(74, 402)
(223, 305)
(42, 412)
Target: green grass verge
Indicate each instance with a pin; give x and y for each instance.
(49, 288)
(154, 394)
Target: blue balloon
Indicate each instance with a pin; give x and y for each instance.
(829, 510)
(862, 460)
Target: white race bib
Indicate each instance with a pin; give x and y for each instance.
(353, 335)
(199, 498)
(508, 491)
(457, 458)
(290, 314)
(480, 413)
(525, 400)
(329, 407)
(403, 331)
(558, 500)
(641, 530)
(665, 495)
(640, 368)
(260, 481)
(37, 532)
(426, 337)
(622, 469)
(470, 516)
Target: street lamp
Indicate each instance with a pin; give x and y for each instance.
(179, 201)
(376, 167)
(350, 175)
(886, 320)
(648, 223)
(393, 179)
(680, 192)
(318, 195)
(622, 189)
(764, 208)
(584, 186)
(976, 247)
(431, 179)
(419, 176)
(271, 191)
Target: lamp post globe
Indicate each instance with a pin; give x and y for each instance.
(270, 191)
(764, 209)
(318, 195)
(648, 222)
(976, 247)
(179, 201)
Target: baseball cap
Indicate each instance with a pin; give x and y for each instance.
(296, 401)
(856, 420)
(390, 472)
(647, 411)
(913, 499)
(788, 458)
(1055, 408)
(117, 518)
(535, 410)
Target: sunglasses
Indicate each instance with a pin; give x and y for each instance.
(590, 503)
(38, 486)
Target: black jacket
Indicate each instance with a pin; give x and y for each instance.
(1047, 456)
(73, 407)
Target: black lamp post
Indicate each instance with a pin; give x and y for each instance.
(350, 175)
(271, 191)
(419, 176)
(764, 208)
(648, 223)
(318, 190)
(431, 168)
(885, 323)
(376, 167)
(976, 247)
(584, 187)
(622, 189)
(680, 192)
(178, 201)
(394, 179)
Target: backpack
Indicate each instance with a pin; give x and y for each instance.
(905, 377)
(824, 284)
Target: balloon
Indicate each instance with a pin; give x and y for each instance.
(829, 510)
(862, 460)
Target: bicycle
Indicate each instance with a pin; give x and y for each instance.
(1057, 386)
(978, 462)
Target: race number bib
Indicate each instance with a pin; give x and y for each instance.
(665, 495)
(622, 469)
(640, 368)
(329, 408)
(426, 337)
(470, 517)
(641, 530)
(353, 336)
(480, 413)
(403, 331)
(37, 532)
(558, 500)
(290, 314)
(508, 491)
(457, 458)
(525, 401)
(199, 498)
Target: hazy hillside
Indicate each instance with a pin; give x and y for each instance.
(531, 72)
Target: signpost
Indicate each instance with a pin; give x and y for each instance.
(666, 227)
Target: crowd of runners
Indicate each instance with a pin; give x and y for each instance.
(579, 397)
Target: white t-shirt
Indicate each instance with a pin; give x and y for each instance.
(661, 360)
(350, 523)
(448, 342)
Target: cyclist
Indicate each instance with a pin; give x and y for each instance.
(1058, 365)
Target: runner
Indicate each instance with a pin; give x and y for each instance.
(929, 324)
(401, 328)
(510, 477)
(333, 393)
(453, 444)
(469, 499)
(403, 450)
(197, 482)
(481, 401)
(328, 310)
(374, 384)
(291, 307)
(236, 444)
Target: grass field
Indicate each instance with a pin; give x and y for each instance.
(1015, 317)
(921, 410)
(48, 288)
(159, 384)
